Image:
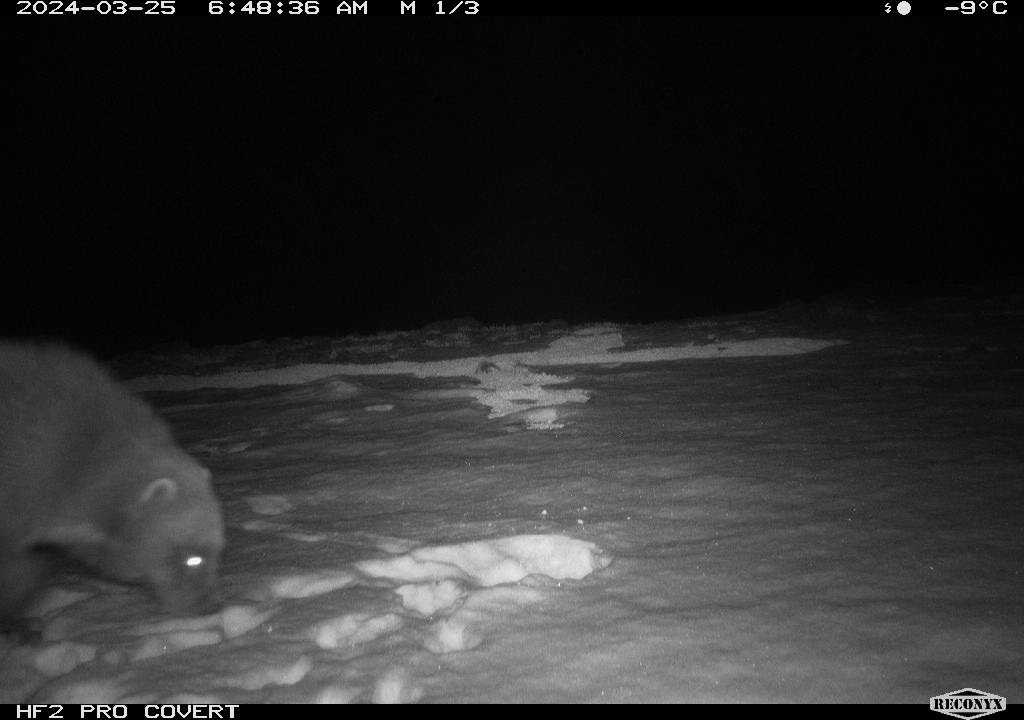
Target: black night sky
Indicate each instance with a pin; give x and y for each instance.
(205, 181)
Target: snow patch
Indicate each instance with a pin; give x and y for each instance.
(237, 620)
(174, 642)
(451, 635)
(392, 545)
(269, 504)
(304, 586)
(596, 345)
(545, 418)
(492, 562)
(179, 625)
(336, 695)
(354, 629)
(63, 657)
(396, 687)
(179, 634)
(261, 677)
(504, 382)
(430, 598)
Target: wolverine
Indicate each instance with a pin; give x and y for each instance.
(88, 469)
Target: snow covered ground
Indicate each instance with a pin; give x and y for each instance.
(817, 503)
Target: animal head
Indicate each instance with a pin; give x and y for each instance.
(166, 533)
(172, 541)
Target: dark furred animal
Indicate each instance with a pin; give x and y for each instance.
(87, 467)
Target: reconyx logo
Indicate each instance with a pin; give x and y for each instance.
(968, 703)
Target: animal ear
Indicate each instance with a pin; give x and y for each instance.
(162, 490)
